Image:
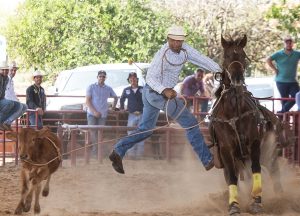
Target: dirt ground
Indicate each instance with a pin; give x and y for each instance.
(149, 188)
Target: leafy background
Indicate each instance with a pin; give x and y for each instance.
(55, 35)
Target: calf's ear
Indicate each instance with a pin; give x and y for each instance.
(42, 133)
(11, 135)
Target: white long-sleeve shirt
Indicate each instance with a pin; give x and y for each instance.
(10, 91)
(166, 66)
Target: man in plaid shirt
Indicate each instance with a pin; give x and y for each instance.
(161, 78)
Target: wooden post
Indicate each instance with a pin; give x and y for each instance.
(100, 145)
(168, 153)
(73, 146)
(4, 149)
(17, 144)
(87, 148)
(60, 137)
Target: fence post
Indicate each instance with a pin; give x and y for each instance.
(87, 148)
(298, 139)
(73, 146)
(4, 149)
(168, 153)
(60, 137)
(100, 145)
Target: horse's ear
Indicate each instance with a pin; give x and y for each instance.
(224, 42)
(243, 42)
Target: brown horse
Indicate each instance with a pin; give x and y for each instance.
(237, 127)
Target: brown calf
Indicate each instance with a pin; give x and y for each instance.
(39, 152)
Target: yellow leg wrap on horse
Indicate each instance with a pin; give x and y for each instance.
(233, 194)
(256, 189)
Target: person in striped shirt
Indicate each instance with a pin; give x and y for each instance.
(158, 94)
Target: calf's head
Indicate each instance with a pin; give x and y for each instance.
(27, 140)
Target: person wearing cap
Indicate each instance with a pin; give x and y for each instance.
(158, 94)
(36, 100)
(285, 69)
(133, 95)
(97, 106)
(10, 90)
(9, 110)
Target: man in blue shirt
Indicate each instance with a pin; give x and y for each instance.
(96, 101)
(285, 71)
(133, 94)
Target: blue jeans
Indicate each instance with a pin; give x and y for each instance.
(287, 90)
(138, 149)
(35, 123)
(153, 103)
(92, 120)
(10, 110)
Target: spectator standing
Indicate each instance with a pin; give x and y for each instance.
(158, 94)
(133, 94)
(96, 101)
(285, 71)
(193, 85)
(36, 100)
(9, 110)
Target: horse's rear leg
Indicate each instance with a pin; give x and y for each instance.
(256, 206)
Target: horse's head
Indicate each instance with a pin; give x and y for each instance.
(234, 60)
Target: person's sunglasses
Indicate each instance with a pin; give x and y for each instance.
(102, 76)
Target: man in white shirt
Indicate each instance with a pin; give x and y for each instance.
(161, 78)
(10, 91)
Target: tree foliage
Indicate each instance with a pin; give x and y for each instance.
(62, 34)
(287, 16)
(230, 18)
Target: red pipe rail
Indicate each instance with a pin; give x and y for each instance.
(292, 153)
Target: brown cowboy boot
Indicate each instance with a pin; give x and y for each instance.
(116, 162)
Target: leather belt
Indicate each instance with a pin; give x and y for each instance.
(137, 113)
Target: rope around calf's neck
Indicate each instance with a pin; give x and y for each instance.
(111, 140)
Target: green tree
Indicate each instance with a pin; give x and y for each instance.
(61, 34)
(287, 16)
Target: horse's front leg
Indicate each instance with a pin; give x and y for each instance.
(256, 205)
(231, 180)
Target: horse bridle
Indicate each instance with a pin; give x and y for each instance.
(229, 75)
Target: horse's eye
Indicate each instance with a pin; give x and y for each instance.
(218, 76)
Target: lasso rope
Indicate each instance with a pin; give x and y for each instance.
(111, 140)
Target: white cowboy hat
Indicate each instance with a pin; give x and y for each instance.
(176, 32)
(37, 73)
(13, 65)
(4, 65)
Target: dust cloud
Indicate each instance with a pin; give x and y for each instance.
(180, 187)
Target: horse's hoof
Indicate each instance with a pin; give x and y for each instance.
(256, 206)
(234, 209)
(45, 193)
(27, 206)
(37, 209)
(18, 211)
